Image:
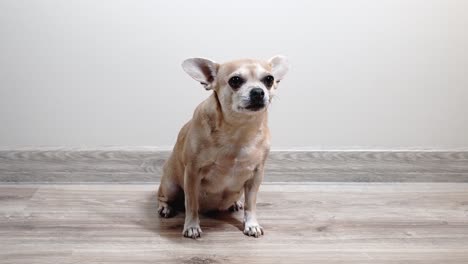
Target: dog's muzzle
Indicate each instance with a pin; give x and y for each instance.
(257, 99)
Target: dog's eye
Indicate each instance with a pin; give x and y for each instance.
(268, 81)
(236, 82)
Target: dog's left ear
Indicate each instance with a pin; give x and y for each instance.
(279, 66)
(202, 70)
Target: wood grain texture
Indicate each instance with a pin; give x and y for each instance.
(304, 223)
(126, 165)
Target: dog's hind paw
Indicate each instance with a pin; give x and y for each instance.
(165, 210)
(237, 206)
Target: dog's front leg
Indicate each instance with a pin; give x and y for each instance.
(251, 226)
(191, 188)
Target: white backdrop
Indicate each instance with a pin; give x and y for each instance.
(389, 74)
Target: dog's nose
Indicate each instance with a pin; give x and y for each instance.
(257, 94)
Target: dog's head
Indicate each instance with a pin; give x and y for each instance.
(243, 86)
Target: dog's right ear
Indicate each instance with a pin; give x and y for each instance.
(202, 70)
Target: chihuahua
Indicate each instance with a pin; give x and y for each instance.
(220, 153)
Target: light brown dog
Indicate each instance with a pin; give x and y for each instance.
(220, 153)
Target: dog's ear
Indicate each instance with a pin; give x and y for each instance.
(202, 70)
(279, 66)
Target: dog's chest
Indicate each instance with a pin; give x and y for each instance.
(230, 171)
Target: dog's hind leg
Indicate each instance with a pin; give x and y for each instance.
(169, 192)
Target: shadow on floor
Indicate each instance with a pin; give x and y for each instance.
(171, 228)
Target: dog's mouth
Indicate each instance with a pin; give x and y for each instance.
(255, 107)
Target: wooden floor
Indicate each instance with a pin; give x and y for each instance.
(304, 223)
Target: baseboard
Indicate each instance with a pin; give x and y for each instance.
(143, 165)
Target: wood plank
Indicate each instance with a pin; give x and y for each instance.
(139, 165)
(304, 223)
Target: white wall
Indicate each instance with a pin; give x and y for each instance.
(389, 74)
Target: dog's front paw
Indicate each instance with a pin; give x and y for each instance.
(253, 229)
(192, 231)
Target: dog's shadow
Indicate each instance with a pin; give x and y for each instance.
(171, 228)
